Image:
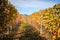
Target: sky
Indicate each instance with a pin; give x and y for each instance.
(30, 6)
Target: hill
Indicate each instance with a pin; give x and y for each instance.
(48, 20)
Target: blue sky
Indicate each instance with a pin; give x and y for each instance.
(30, 6)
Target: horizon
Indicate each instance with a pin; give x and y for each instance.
(30, 6)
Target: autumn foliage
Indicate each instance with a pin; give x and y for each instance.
(28, 27)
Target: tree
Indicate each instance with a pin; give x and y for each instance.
(8, 16)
